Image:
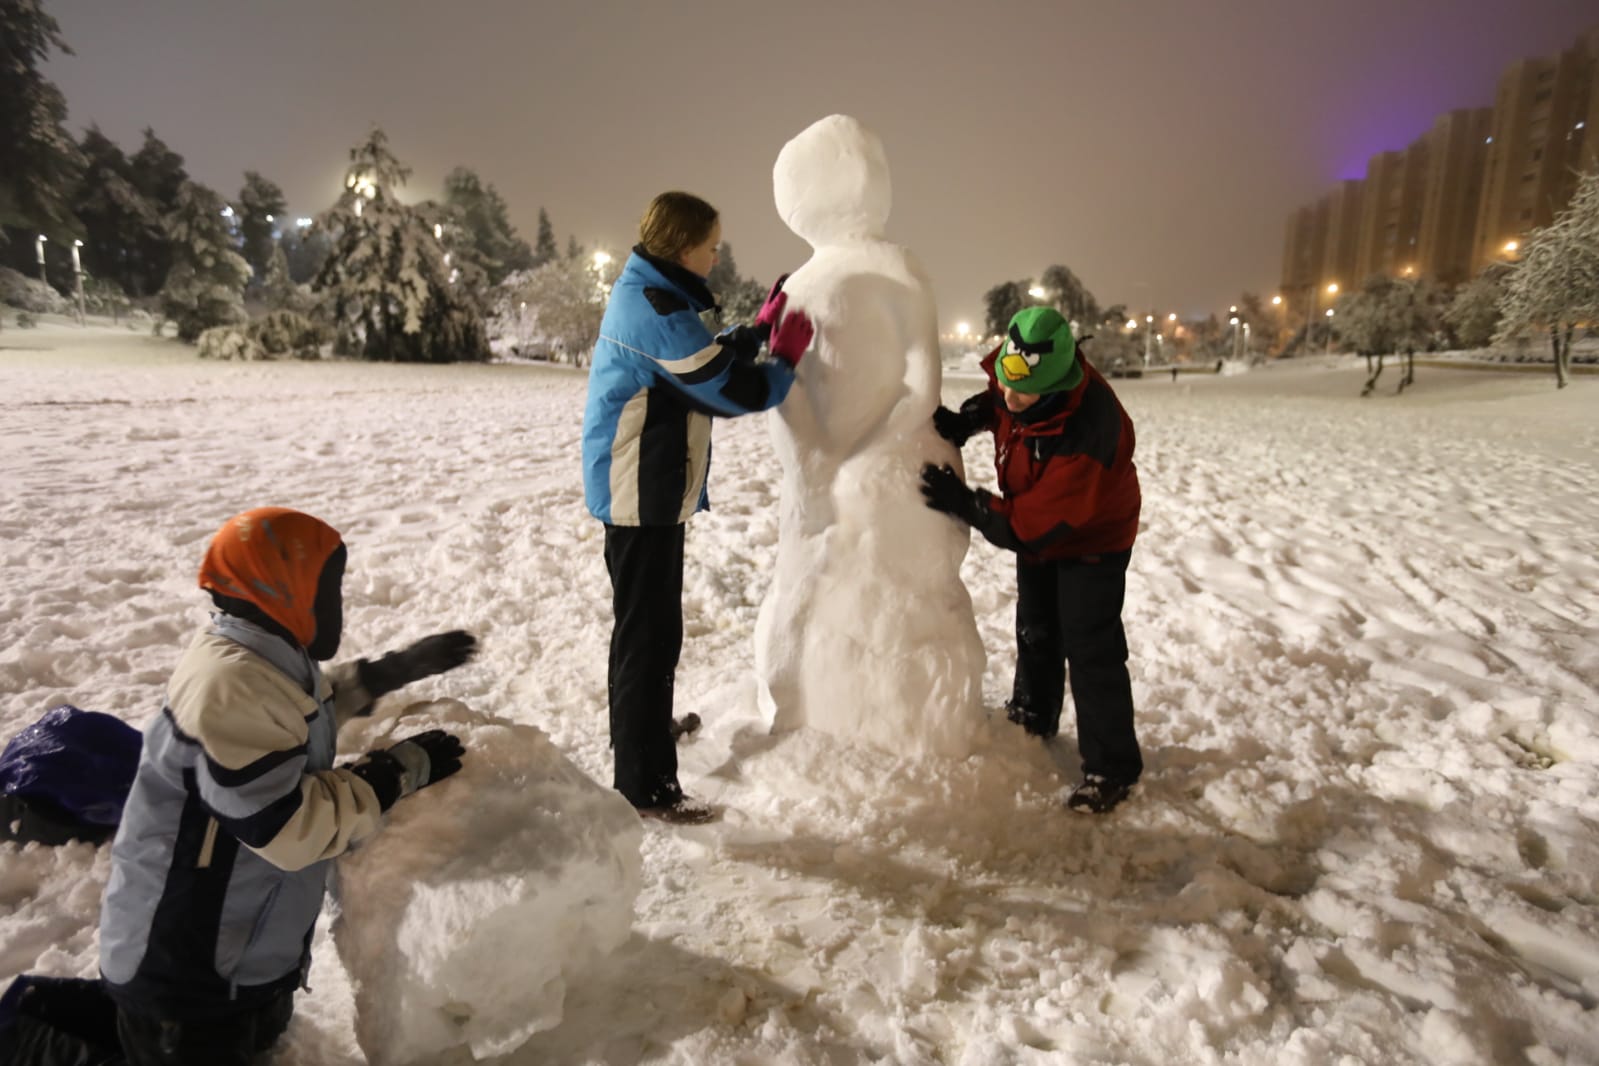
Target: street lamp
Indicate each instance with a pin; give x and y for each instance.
(77, 274)
(1329, 331)
(1310, 309)
(1149, 335)
(1036, 292)
(38, 247)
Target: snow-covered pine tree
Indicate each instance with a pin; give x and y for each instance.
(478, 212)
(117, 218)
(544, 250)
(278, 289)
(385, 282)
(205, 286)
(261, 212)
(1555, 284)
(158, 173)
(39, 161)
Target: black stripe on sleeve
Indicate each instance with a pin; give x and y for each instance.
(747, 387)
(713, 366)
(259, 828)
(227, 778)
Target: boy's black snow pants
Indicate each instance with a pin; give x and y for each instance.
(1069, 623)
(646, 568)
(232, 1040)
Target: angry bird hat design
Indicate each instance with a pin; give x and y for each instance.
(1039, 353)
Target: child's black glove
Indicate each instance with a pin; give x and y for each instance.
(944, 491)
(976, 413)
(414, 763)
(428, 656)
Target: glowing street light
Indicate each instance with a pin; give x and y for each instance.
(1329, 331)
(38, 248)
(77, 278)
(1276, 301)
(1132, 323)
(438, 231)
(302, 223)
(1172, 317)
(1036, 292)
(1511, 247)
(963, 329)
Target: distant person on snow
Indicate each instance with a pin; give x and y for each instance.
(219, 866)
(1068, 507)
(658, 379)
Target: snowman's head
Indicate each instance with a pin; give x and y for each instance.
(831, 182)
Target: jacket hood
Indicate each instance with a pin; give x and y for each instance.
(272, 558)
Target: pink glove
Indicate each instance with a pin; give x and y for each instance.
(772, 310)
(790, 339)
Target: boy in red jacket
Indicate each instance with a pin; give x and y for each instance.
(1063, 448)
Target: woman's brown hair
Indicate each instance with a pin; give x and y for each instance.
(675, 222)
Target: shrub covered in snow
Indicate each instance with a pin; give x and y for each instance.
(29, 294)
(230, 342)
(287, 333)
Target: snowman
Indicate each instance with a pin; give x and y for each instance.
(867, 631)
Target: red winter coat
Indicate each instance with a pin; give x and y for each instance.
(1068, 483)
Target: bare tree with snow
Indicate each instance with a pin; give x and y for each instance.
(1473, 315)
(560, 305)
(1555, 285)
(1389, 316)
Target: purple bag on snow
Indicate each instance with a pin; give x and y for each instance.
(81, 762)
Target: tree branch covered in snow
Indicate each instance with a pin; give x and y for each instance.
(1555, 285)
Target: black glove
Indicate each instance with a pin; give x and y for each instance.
(976, 413)
(415, 762)
(428, 656)
(944, 491)
(744, 341)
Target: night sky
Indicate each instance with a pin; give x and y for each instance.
(1153, 146)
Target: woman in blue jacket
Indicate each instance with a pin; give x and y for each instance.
(658, 379)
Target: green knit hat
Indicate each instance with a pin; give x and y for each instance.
(1039, 354)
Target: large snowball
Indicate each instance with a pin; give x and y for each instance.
(462, 921)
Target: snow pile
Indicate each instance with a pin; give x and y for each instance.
(463, 921)
(867, 632)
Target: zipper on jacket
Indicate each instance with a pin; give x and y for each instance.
(208, 845)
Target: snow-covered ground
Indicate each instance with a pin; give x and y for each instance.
(1365, 650)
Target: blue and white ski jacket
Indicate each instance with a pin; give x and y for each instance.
(223, 854)
(658, 379)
